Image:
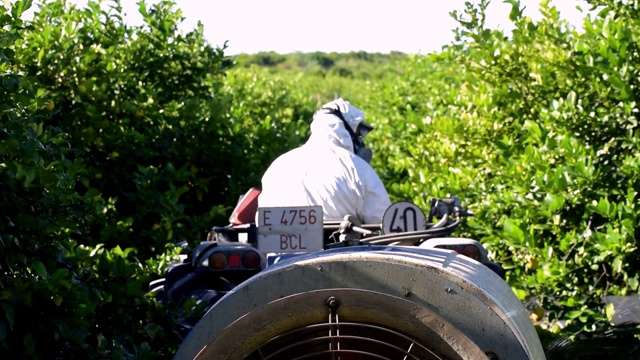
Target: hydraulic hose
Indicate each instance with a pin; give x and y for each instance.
(413, 235)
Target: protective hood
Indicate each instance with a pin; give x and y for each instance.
(353, 115)
(329, 129)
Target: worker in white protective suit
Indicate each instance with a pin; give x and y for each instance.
(331, 169)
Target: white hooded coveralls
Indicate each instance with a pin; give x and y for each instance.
(325, 171)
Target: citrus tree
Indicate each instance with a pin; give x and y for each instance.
(537, 132)
(118, 141)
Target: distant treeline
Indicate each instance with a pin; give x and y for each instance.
(355, 64)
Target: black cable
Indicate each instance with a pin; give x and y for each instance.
(418, 235)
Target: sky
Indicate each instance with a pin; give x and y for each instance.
(286, 26)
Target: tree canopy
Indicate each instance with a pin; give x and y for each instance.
(118, 141)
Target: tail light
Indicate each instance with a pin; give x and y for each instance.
(250, 260)
(218, 261)
(232, 258)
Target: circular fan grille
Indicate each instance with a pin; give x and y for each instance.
(340, 324)
(343, 341)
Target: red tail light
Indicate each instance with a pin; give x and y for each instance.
(250, 260)
(234, 260)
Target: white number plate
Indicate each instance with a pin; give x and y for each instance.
(290, 229)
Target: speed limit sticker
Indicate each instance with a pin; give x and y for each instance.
(403, 216)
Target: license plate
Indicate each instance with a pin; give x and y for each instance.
(290, 229)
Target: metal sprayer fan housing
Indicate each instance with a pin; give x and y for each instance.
(351, 323)
(369, 302)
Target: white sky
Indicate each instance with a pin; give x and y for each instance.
(285, 26)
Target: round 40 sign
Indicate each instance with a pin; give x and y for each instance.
(403, 216)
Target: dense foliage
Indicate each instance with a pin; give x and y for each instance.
(117, 141)
(539, 133)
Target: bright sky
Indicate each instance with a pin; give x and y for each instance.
(285, 26)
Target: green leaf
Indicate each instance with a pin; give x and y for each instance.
(616, 265)
(117, 251)
(534, 130)
(554, 202)
(39, 269)
(26, 173)
(610, 311)
(520, 293)
(19, 7)
(142, 8)
(513, 230)
(573, 314)
(515, 12)
(603, 207)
